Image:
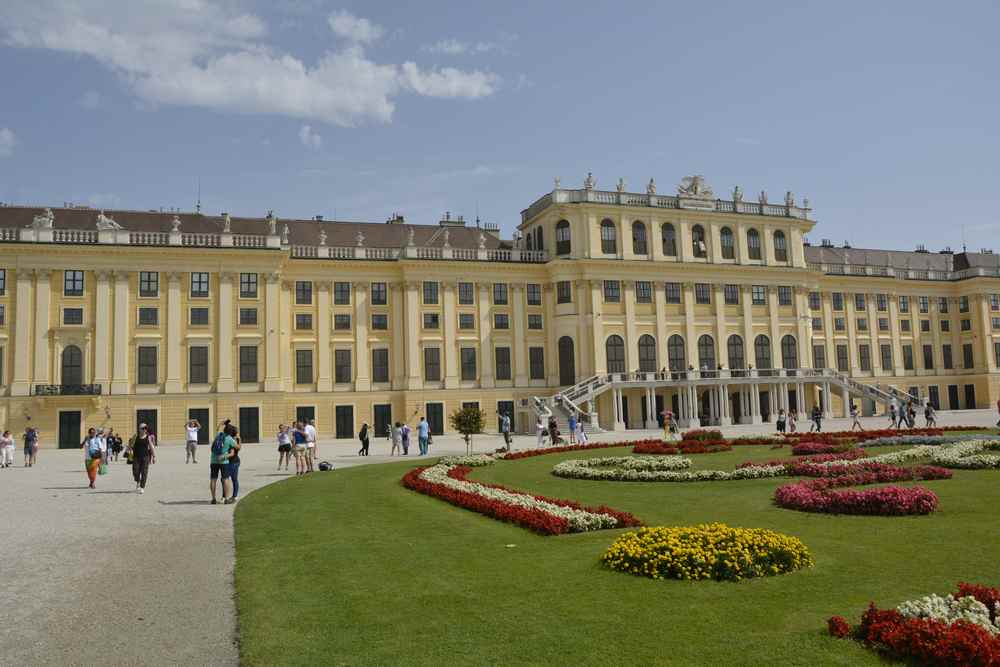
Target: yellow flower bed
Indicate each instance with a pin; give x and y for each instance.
(706, 551)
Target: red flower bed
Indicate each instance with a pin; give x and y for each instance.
(927, 641)
(883, 501)
(712, 434)
(849, 455)
(537, 520)
(681, 447)
(809, 448)
(528, 453)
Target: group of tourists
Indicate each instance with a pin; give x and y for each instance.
(399, 437)
(905, 416)
(785, 423)
(547, 430)
(102, 446)
(298, 440)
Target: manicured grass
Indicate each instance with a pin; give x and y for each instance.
(351, 568)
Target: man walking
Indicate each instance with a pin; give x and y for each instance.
(423, 435)
(505, 428)
(572, 427)
(191, 448)
(311, 451)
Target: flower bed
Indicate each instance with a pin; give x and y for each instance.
(810, 448)
(849, 455)
(706, 551)
(547, 516)
(912, 440)
(528, 453)
(969, 455)
(958, 629)
(471, 460)
(702, 434)
(681, 447)
(654, 469)
(815, 495)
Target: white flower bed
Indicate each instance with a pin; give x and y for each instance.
(897, 440)
(969, 455)
(579, 520)
(473, 460)
(655, 469)
(948, 609)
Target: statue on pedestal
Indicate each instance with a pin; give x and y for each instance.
(589, 183)
(105, 223)
(322, 237)
(651, 187)
(175, 224)
(227, 224)
(43, 221)
(360, 239)
(789, 199)
(621, 185)
(737, 194)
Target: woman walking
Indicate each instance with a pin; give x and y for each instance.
(780, 422)
(30, 446)
(93, 456)
(929, 416)
(396, 435)
(143, 453)
(6, 450)
(284, 445)
(234, 461)
(363, 437)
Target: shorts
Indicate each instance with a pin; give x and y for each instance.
(221, 469)
(300, 449)
(310, 445)
(284, 448)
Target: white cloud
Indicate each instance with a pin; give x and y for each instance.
(7, 141)
(309, 138)
(347, 25)
(206, 53)
(90, 99)
(456, 47)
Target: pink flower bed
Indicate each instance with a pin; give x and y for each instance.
(815, 495)
(809, 448)
(850, 455)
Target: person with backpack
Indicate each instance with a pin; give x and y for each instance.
(404, 434)
(299, 448)
(30, 446)
(143, 453)
(219, 467)
(505, 429)
(363, 437)
(93, 455)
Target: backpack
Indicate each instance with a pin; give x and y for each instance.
(218, 445)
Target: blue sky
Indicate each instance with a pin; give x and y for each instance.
(883, 114)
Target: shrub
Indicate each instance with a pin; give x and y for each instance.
(702, 434)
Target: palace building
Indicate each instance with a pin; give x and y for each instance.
(613, 303)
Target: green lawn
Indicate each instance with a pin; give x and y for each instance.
(351, 568)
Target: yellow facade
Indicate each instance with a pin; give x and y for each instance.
(601, 266)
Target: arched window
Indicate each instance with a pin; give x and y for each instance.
(675, 353)
(735, 348)
(753, 244)
(647, 354)
(669, 240)
(789, 352)
(562, 238)
(780, 247)
(615, 349)
(762, 352)
(698, 246)
(726, 241)
(530, 241)
(72, 365)
(539, 245)
(706, 353)
(567, 362)
(609, 238)
(639, 238)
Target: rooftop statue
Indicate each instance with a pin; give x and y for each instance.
(558, 182)
(447, 239)
(589, 183)
(322, 237)
(762, 197)
(651, 187)
(482, 241)
(360, 238)
(789, 199)
(175, 224)
(409, 237)
(695, 186)
(43, 221)
(272, 223)
(737, 194)
(284, 233)
(104, 222)
(227, 224)
(621, 185)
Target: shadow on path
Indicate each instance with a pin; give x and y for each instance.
(184, 502)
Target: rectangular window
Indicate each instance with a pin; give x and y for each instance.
(198, 365)
(199, 317)
(925, 325)
(886, 351)
(342, 366)
(380, 322)
(904, 325)
(945, 325)
(303, 366)
(966, 325)
(341, 293)
(673, 292)
(430, 293)
(248, 363)
(838, 300)
(536, 363)
(815, 303)
(819, 356)
(995, 322)
(432, 364)
(967, 355)
(380, 365)
(928, 357)
(817, 324)
(199, 284)
(248, 317)
(3, 321)
(502, 357)
(758, 295)
(923, 304)
(248, 285)
(702, 293)
(859, 302)
(72, 316)
(149, 283)
(839, 324)
(147, 365)
(466, 321)
(432, 321)
(72, 283)
(883, 324)
(534, 321)
(865, 357)
(466, 294)
(996, 353)
(303, 321)
(380, 294)
(904, 304)
(499, 294)
(942, 304)
(862, 323)
(612, 291)
(784, 295)
(533, 292)
(468, 358)
(933, 398)
(994, 301)
(564, 291)
(303, 292)
(908, 357)
(3, 281)
(342, 322)
(731, 294)
(881, 302)
(149, 317)
(643, 291)
(946, 361)
(501, 321)
(842, 364)
(963, 304)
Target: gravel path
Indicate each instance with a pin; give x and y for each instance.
(153, 573)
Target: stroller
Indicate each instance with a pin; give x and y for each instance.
(554, 437)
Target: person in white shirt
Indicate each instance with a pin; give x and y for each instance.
(93, 454)
(6, 450)
(311, 450)
(192, 428)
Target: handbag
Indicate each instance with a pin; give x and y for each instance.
(103, 470)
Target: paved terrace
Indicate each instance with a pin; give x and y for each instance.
(154, 572)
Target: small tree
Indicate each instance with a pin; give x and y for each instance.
(467, 421)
